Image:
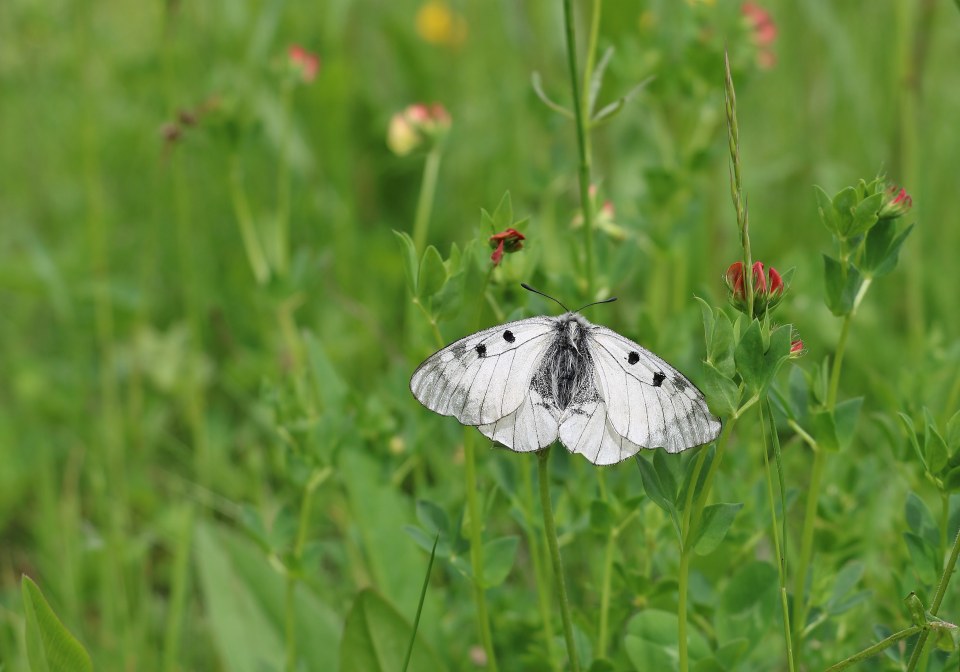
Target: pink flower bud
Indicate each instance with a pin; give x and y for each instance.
(415, 125)
(768, 288)
(759, 281)
(796, 349)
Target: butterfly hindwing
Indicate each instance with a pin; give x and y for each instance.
(647, 401)
(485, 376)
(533, 426)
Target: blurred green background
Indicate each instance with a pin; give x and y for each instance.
(156, 398)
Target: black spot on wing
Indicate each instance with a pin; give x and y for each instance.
(508, 336)
(658, 379)
(481, 350)
(633, 357)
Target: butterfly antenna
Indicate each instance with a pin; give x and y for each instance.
(537, 291)
(596, 303)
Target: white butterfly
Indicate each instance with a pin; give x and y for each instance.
(527, 383)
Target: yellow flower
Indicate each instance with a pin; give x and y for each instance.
(438, 24)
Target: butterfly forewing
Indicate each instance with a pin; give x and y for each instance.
(486, 376)
(648, 402)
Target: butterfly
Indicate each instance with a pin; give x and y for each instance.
(528, 383)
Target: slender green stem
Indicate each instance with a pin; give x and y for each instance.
(178, 592)
(587, 107)
(779, 548)
(476, 546)
(937, 600)
(550, 527)
(876, 648)
(282, 224)
(579, 114)
(248, 232)
(428, 189)
(684, 571)
(423, 595)
(536, 543)
(294, 570)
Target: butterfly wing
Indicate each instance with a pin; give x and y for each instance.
(646, 401)
(586, 429)
(486, 376)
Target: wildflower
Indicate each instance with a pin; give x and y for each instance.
(438, 24)
(796, 349)
(507, 241)
(764, 32)
(303, 63)
(768, 288)
(897, 203)
(416, 125)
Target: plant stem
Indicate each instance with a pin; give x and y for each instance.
(937, 600)
(579, 114)
(428, 189)
(423, 595)
(588, 68)
(294, 570)
(178, 592)
(248, 232)
(476, 546)
(551, 530)
(682, 609)
(282, 224)
(778, 547)
(876, 648)
(543, 579)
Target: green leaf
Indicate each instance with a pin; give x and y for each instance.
(953, 433)
(845, 418)
(748, 586)
(841, 285)
(432, 517)
(920, 520)
(651, 641)
(446, 303)
(844, 204)
(708, 321)
(923, 557)
(936, 451)
(824, 429)
(653, 487)
(882, 248)
(50, 646)
(951, 482)
(664, 466)
(716, 521)
(912, 437)
(498, 557)
(723, 395)
(245, 609)
(865, 214)
(376, 637)
(828, 215)
(721, 353)
(409, 253)
(433, 274)
(502, 217)
(758, 364)
(841, 599)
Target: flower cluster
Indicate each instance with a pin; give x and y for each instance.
(416, 125)
(768, 288)
(764, 32)
(508, 241)
(304, 64)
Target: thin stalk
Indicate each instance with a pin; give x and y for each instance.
(877, 648)
(248, 232)
(937, 600)
(736, 183)
(428, 189)
(178, 592)
(423, 595)
(581, 122)
(604, 630)
(282, 224)
(684, 572)
(778, 547)
(551, 529)
(588, 67)
(539, 571)
(294, 571)
(476, 546)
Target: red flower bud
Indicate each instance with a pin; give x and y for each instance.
(303, 62)
(796, 348)
(768, 288)
(508, 241)
(897, 203)
(776, 282)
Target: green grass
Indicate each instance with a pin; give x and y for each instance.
(164, 415)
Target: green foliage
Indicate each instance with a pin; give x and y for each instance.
(50, 646)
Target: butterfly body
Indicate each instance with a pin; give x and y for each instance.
(528, 383)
